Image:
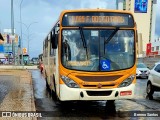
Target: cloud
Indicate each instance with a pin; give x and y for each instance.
(5, 14)
(77, 4)
(98, 4)
(46, 13)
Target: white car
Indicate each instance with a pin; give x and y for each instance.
(153, 83)
(142, 70)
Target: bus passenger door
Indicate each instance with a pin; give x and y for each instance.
(54, 42)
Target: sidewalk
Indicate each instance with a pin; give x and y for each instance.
(18, 67)
(18, 89)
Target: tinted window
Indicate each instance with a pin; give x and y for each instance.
(141, 65)
(157, 68)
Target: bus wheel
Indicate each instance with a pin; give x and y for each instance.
(110, 101)
(54, 96)
(54, 93)
(110, 106)
(47, 86)
(65, 104)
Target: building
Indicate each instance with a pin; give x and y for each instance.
(1, 38)
(145, 16)
(9, 46)
(155, 47)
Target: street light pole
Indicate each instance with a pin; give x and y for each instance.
(12, 30)
(29, 35)
(27, 28)
(12, 18)
(21, 43)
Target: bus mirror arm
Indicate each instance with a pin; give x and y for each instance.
(57, 29)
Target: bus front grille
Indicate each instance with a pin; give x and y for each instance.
(96, 86)
(99, 93)
(99, 78)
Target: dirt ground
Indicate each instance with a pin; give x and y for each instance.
(16, 92)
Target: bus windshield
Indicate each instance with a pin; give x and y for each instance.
(105, 50)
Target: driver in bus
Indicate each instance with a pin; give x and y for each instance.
(81, 56)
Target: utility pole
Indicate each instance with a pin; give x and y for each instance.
(12, 30)
(28, 35)
(21, 43)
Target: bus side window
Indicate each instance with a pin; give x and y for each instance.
(46, 48)
(54, 40)
(52, 53)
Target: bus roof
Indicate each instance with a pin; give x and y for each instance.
(96, 10)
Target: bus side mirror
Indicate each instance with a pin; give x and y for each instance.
(54, 40)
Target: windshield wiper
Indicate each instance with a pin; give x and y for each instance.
(83, 40)
(110, 37)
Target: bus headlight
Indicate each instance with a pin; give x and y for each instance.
(127, 81)
(69, 82)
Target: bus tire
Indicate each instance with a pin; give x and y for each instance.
(110, 101)
(110, 106)
(54, 96)
(54, 93)
(47, 86)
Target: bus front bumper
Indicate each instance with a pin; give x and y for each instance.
(68, 94)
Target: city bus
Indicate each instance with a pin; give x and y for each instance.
(91, 55)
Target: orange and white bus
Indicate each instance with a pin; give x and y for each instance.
(91, 55)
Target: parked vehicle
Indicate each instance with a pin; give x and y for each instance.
(142, 70)
(153, 83)
(25, 59)
(35, 60)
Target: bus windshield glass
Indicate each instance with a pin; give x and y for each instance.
(106, 49)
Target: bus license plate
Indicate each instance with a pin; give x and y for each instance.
(123, 93)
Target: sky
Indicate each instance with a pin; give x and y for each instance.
(42, 14)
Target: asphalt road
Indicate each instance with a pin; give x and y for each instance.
(84, 110)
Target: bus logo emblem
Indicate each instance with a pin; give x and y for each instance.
(99, 85)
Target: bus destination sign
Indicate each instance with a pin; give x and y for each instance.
(97, 19)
